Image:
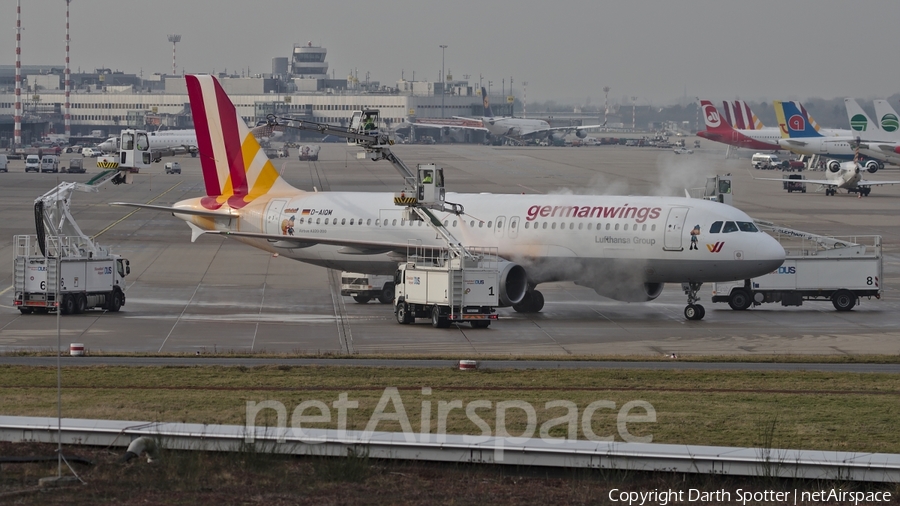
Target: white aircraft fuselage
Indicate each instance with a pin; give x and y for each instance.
(613, 244)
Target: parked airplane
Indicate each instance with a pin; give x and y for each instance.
(720, 131)
(162, 143)
(623, 247)
(740, 116)
(844, 176)
(871, 139)
(516, 128)
(802, 136)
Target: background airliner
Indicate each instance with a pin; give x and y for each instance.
(718, 130)
(624, 247)
(520, 129)
(162, 143)
(802, 136)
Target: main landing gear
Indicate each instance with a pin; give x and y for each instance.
(693, 311)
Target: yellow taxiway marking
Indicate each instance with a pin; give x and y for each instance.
(120, 220)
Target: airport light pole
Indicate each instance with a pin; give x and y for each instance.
(524, 97)
(443, 79)
(606, 105)
(633, 98)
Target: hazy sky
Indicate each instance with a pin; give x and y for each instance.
(566, 50)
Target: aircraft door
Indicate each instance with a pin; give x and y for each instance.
(498, 226)
(514, 227)
(675, 229)
(273, 217)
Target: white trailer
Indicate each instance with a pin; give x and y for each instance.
(839, 269)
(447, 289)
(64, 279)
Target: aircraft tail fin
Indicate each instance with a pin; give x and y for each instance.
(794, 120)
(488, 113)
(739, 115)
(712, 118)
(886, 116)
(235, 168)
(859, 120)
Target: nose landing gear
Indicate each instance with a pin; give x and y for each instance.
(693, 311)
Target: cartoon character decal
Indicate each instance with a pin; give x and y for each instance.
(287, 226)
(695, 234)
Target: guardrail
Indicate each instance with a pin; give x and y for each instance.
(804, 464)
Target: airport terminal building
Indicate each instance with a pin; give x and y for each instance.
(299, 87)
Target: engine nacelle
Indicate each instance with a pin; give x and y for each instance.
(581, 134)
(834, 165)
(872, 166)
(513, 283)
(631, 293)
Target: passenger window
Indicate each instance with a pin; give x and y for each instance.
(326, 221)
(553, 225)
(351, 221)
(480, 224)
(472, 223)
(369, 222)
(644, 227)
(454, 223)
(378, 222)
(489, 224)
(545, 226)
(729, 227)
(607, 226)
(343, 221)
(499, 224)
(446, 223)
(581, 225)
(318, 221)
(617, 226)
(652, 228)
(716, 227)
(625, 227)
(393, 223)
(526, 224)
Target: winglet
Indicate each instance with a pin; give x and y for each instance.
(195, 231)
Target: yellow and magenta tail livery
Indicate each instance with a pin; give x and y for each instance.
(235, 168)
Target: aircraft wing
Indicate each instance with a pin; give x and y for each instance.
(794, 142)
(863, 182)
(460, 125)
(824, 182)
(568, 129)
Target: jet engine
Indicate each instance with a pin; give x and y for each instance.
(834, 165)
(642, 292)
(581, 134)
(513, 283)
(872, 166)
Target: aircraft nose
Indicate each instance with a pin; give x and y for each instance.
(771, 253)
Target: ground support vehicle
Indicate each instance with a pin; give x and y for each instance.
(173, 168)
(65, 279)
(309, 152)
(839, 269)
(447, 289)
(76, 165)
(794, 183)
(60, 267)
(365, 287)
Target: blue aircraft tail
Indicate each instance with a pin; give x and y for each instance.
(795, 121)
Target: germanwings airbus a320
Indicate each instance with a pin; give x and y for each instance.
(624, 247)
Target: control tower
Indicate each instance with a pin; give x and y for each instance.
(308, 61)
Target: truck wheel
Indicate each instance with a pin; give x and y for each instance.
(115, 302)
(68, 305)
(438, 320)
(740, 299)
(843, 300)
(402, 312)
(362, 299)
(26, 310)
(387, 294)
(80, 303)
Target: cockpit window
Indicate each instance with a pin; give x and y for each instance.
(716, 227)
(730, 226)
(747, 226)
